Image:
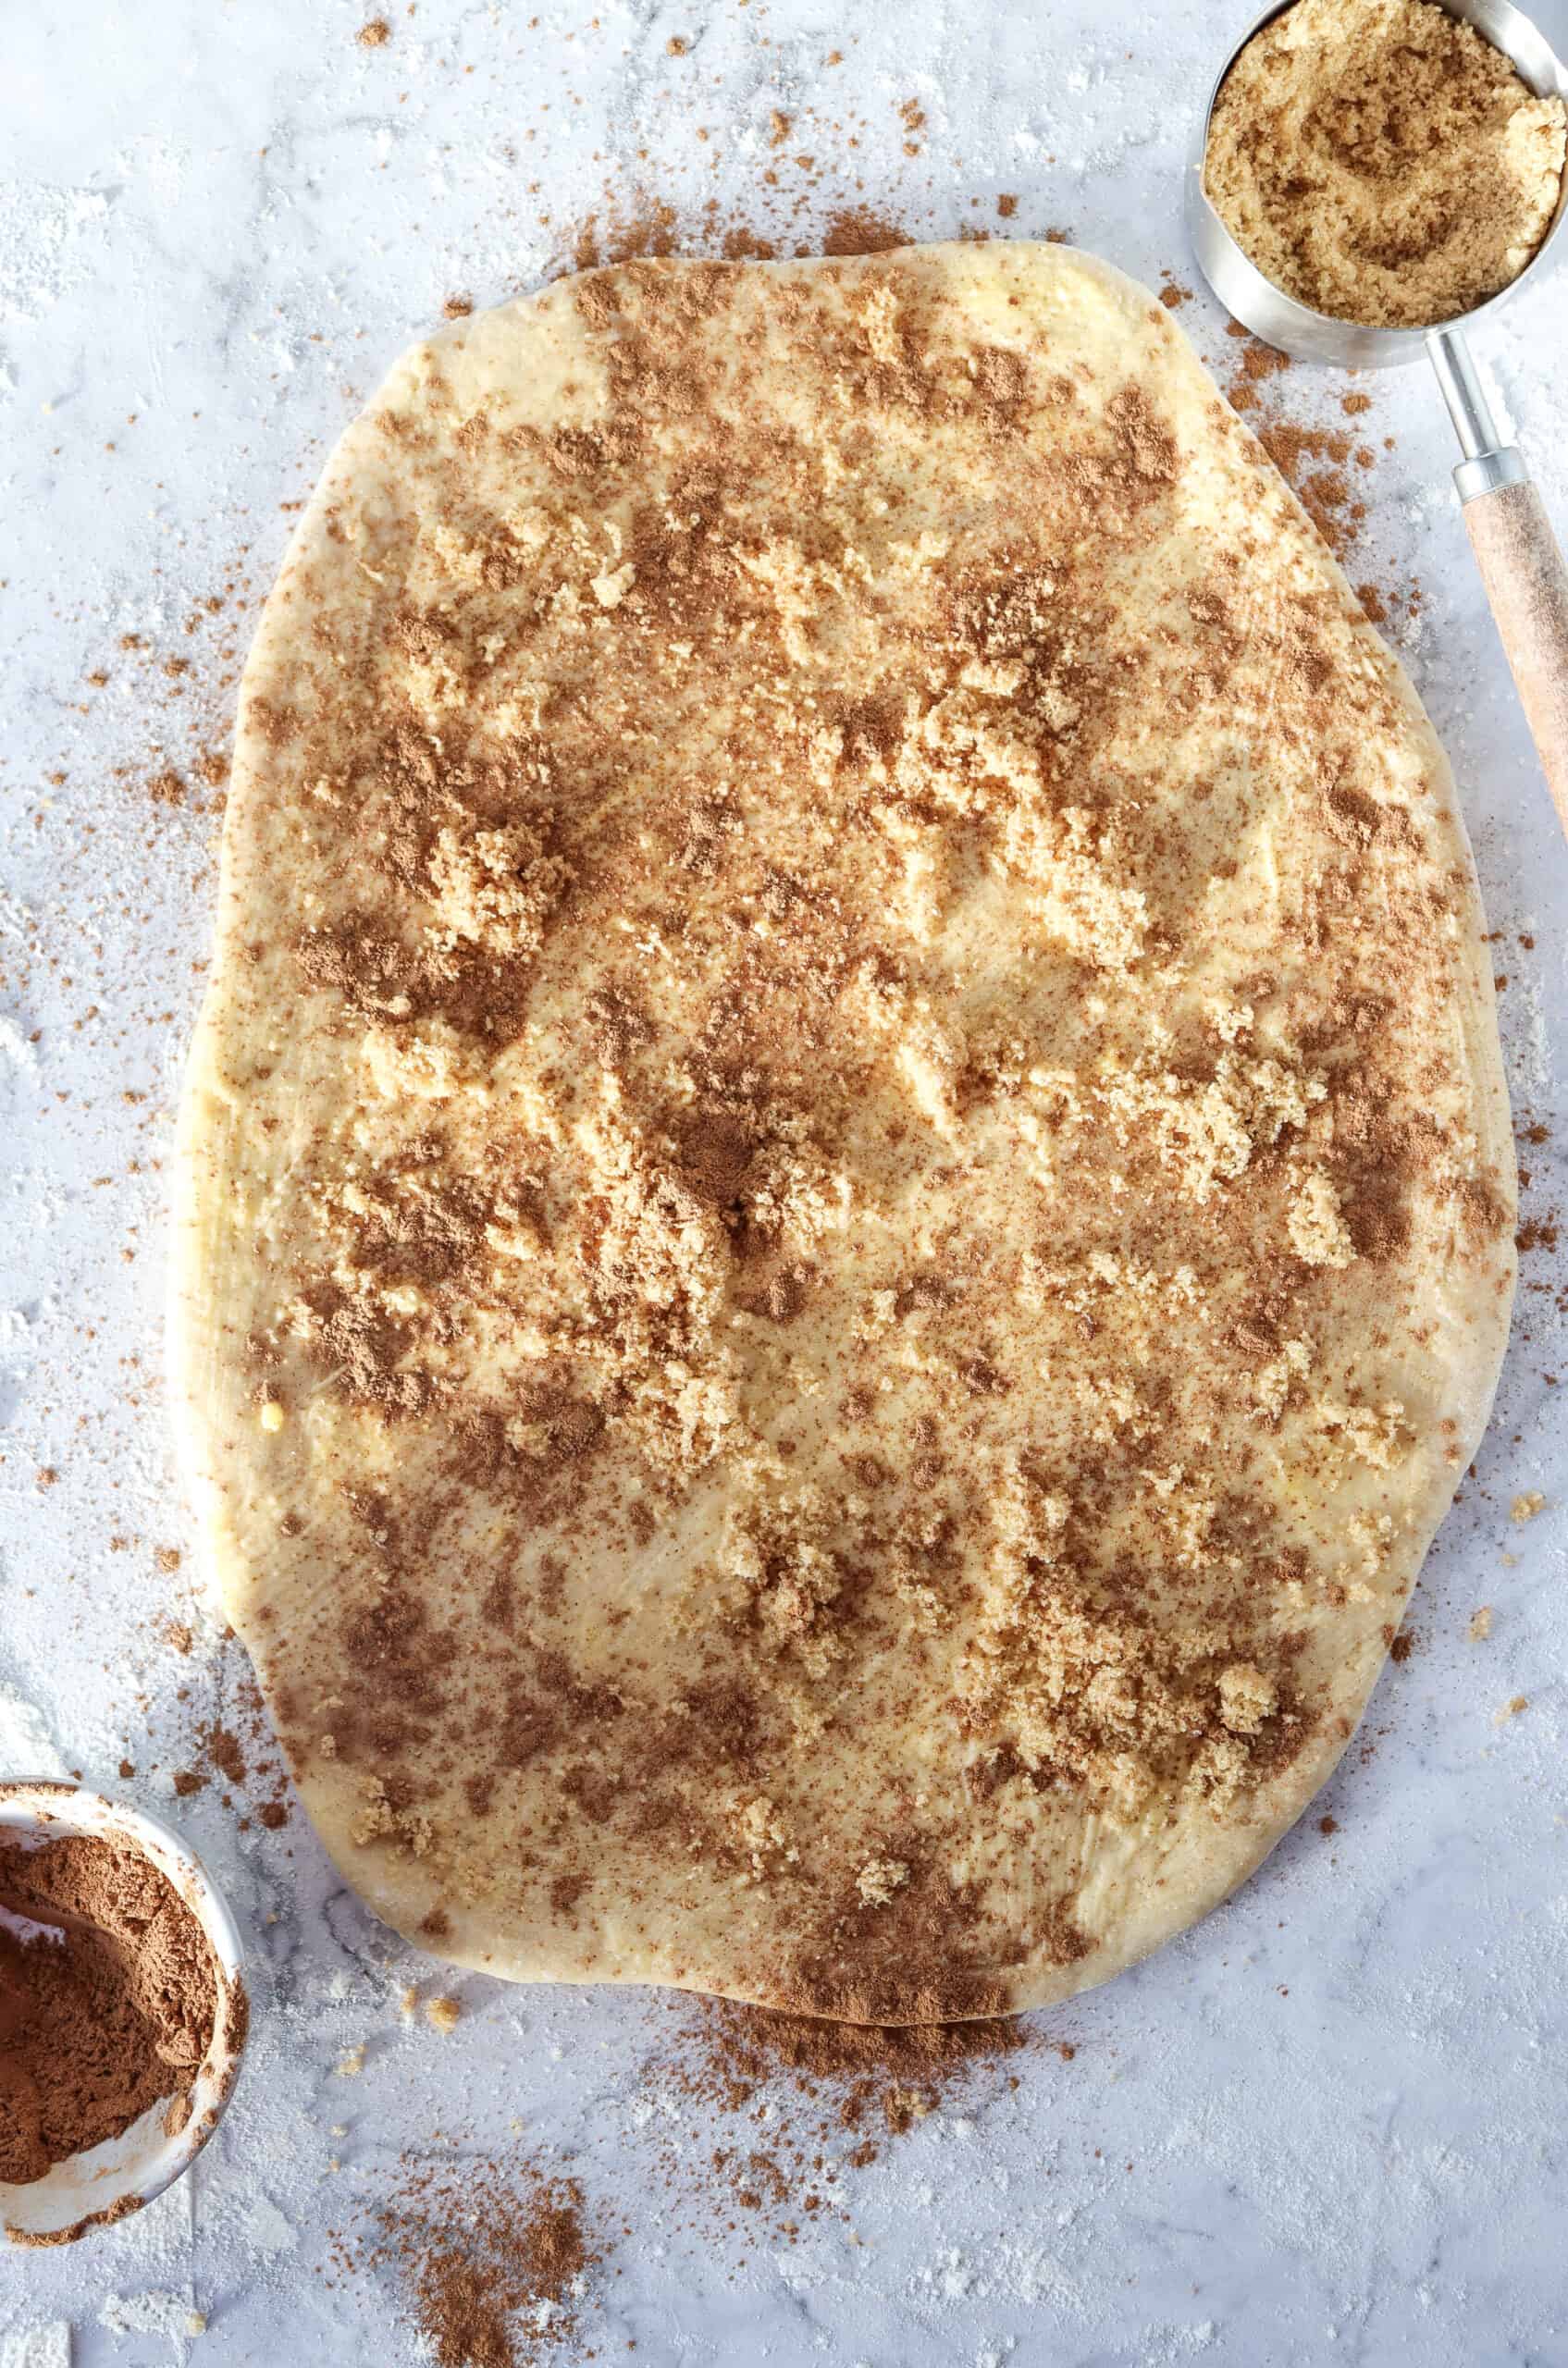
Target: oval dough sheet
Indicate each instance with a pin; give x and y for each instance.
(846, 1200)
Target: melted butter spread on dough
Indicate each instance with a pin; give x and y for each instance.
(849, 1131)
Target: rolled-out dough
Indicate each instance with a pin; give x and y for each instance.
(846, 1193)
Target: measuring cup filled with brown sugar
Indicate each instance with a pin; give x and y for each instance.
(1466, 89)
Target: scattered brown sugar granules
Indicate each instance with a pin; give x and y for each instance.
(493, 2257)
(109, 1996)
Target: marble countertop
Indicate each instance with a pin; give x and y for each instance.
(1326, 2125)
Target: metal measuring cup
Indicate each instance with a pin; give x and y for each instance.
(1521, 564)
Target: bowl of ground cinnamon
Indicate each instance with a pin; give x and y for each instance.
(123, 2010)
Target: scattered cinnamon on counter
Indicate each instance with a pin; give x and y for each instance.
(1325, 493)
(625, 232)
(740, 2049)
(634, 229)
(856, 230)
(494, 2254)
(1312, 458)
(815, 2101)
(476, 2246)
(1258, 362)
(109, 1996)
(222, 1747)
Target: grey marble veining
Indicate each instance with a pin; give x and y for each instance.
(1326, 2126)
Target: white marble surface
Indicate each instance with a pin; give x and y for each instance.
(1329, 2124)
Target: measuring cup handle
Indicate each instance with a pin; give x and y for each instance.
(1517, 553)
(1526, 583)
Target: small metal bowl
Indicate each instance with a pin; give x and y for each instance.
(1283, 321)
(1521, 568)
(105, 2184)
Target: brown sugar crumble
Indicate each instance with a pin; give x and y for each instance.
(375, 34)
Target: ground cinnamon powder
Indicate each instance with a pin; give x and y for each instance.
(108, 1993)
(493, 2257)
(493, 2254)
(803, 2103)
(1314, 460)
(859, 2073)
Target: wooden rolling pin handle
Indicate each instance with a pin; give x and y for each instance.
(1526, 583)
